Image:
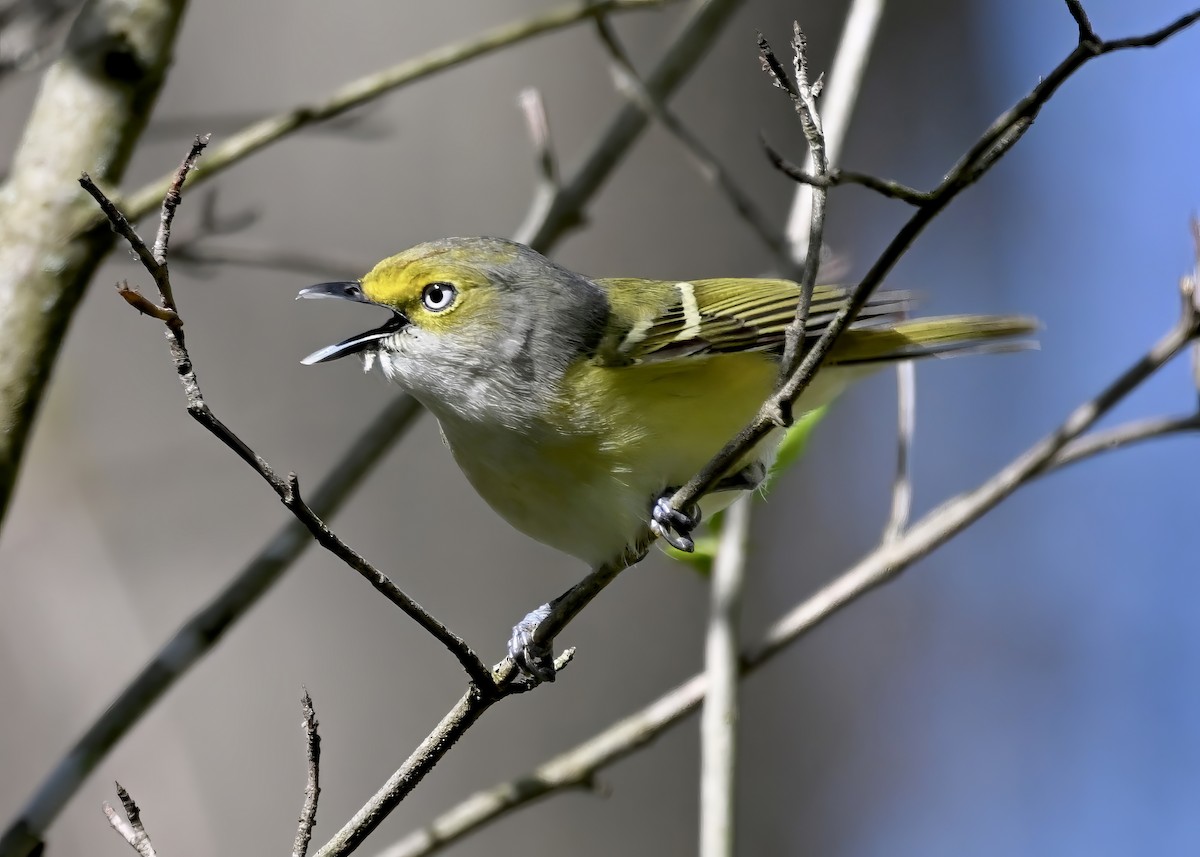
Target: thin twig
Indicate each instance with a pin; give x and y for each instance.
(207, 627)
(548, 185)
(906, 419)
(573, 769)
(363, 124)
(131, 830)
(950, 518)
(629, 84)
(445, 735)
(89, 111)
(372, 86)
(270, 258)
(1093, 444)
(154, 261)
(1153, 39)
(1191, 286)
(287, 489)
(545, 227)
(195, 249)
(1086, 33)
(171, 200)
(722, 668)
(836, 177)
(312, 784)
(804, 97)
(120, 224)
(837, 108)
(533, 108)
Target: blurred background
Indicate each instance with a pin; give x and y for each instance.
(1032, 688)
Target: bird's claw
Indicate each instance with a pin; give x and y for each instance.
(535, 660)
(673, 525)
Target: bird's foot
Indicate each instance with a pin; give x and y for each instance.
(673, 525)
(535, 660)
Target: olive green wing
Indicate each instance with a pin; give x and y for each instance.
(671, 320)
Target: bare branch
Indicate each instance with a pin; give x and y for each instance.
(573, 769)
(196, 249)
(845, 81)
(370, 87)
(121, 225)
(131, 830)
(534, 111)
(262, 256)
(84, 117)
(1190, 288)
(902, 490)
(1124, 435)
(1153, 39)
(835, 177)
(288, 490)
(1086, 33)
(773, 68)
(360, 124)
(155, 262)
(429, 752)
(548, 186)
(681, 56)
(312, 785)
(722, 668)
(804, 97)
(204, 630)
(631, 86)
(171, 200)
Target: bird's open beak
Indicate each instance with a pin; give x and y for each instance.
(350, 291)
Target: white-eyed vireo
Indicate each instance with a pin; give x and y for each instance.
(573, 404)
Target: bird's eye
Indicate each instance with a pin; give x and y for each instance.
(437, 296)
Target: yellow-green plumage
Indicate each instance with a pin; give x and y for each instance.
(571, 404)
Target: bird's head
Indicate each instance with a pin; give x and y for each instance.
(477, 324)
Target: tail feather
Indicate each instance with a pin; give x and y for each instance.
(934, 337)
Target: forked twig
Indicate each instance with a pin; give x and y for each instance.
(287, 489)
(130, 828)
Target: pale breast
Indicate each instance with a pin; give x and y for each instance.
(588, 489)
(562, 491)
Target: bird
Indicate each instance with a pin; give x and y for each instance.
(576, 405)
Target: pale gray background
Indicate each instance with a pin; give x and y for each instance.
(1031, 689)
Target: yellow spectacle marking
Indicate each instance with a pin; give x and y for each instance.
(691, 312)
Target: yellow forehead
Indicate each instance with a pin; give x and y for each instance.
(398, 281)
